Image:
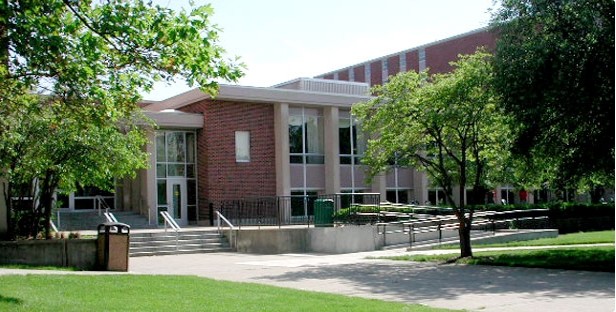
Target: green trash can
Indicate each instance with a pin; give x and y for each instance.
(323, 213)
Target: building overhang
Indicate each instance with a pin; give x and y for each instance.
(260, 95)
(173, 119)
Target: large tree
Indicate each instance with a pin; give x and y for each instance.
(554, 65)
(448, 125)
(71, 75)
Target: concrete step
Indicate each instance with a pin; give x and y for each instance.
(178, 252)
(79, 220)
(171, 247)
(135, 220)
(171, 235)
(140, 241)
(165, 243)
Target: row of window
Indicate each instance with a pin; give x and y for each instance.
(306, 137)
(306, 143)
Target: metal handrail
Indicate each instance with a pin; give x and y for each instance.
(53, 226)
(100, 202)
(450, 222)
(58, 218)
(232, 238)
(169, 220)
(110, 217)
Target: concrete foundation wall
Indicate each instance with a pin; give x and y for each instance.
(272, 241)
(346, 239)
(79, 253)
(353, 238)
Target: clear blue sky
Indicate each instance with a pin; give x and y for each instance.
(281, 40)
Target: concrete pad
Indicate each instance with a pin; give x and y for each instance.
(475, 288)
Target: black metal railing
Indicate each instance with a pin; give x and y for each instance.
(483, 220)
(291, 209)
(268, 211)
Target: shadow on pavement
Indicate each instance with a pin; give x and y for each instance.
(426, 281)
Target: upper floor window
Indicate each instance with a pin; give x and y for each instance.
(306, 136)
(175, 154)
(352, 145)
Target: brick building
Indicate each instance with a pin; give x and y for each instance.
(435, 56)
(295, 139)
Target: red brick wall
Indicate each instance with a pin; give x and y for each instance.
(393, 65)
(343, 75)
(359, 74)
(220, 176)
(412, 61)
(376, 73)
(438, 56)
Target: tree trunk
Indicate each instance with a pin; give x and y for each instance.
(596, 193)
(6, 195)
(46, 203)
(465, 238)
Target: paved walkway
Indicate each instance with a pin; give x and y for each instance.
(475, 288)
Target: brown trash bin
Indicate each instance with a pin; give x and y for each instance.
(112, 246)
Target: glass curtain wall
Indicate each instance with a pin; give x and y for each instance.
(306, 136)
(352, 144)
(306, 147)
(351, 148)
(175, 159)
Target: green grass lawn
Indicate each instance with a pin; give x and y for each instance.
(578, 258)
(566, 239)
(583, 258)
(170, 293)
(37, 267)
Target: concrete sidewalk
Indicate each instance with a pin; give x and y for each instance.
(475, 288)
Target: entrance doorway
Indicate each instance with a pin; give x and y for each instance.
(176, 194)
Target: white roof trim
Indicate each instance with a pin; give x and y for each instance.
(176, 119)
(259, 95)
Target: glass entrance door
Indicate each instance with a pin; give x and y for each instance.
(176, 194)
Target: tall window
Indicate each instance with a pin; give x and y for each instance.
(305, 136)
(352, 145)
(175, 158)
(302, 204)
(398, 196)
(242, 146)
(436, 197)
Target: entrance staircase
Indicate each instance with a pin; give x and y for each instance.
(153, 243)
(88, 220)
(149, 240)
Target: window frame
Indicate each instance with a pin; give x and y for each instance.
(242, 143)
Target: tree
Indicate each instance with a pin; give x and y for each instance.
(52, 148)
(449, 125)
(554, 66)
(71, 74)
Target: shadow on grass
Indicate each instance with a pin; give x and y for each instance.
(598, 259)
(10, 300)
